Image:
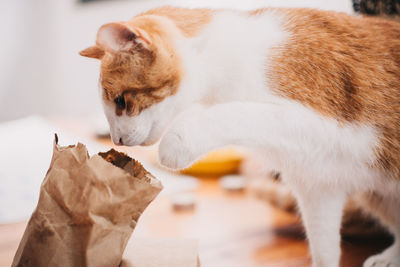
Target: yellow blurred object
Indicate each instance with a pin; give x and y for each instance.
(217, 163)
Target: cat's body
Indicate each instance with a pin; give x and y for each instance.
(316, 92)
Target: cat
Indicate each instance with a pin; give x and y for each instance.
(316, 92)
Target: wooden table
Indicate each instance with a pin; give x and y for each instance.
(233, 229)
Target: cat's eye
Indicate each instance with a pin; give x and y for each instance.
(120, 102)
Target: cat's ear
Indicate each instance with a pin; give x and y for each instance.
(116, 37)
(93, 52)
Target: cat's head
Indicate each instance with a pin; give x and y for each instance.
(139, 77)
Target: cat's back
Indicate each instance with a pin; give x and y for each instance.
(347, 57)
(344, 67)
(352, 35)
(189, 21)
(336, 23)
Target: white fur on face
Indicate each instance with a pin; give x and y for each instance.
(145, 128)
(124, 129)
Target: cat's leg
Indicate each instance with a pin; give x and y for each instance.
(200, 130)
(321, 211)
(387, 208)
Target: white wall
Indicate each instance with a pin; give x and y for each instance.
(40, 69)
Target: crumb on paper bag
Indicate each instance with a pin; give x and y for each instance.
(87, 209)
(126, 163)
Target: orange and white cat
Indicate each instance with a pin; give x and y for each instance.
(318, 93)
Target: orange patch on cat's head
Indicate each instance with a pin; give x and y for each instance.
(139, 63)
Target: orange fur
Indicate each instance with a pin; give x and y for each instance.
(93, 52)
(344, 67)
(189, 21)
(143, 76)
(146, 75)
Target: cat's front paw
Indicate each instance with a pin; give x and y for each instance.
(174, 152)
(382, 260)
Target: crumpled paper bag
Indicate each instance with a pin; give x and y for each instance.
(87, 209)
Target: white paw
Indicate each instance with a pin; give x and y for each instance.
(382, 260)
(174, 152)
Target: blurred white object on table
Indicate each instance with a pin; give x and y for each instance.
(233, 182)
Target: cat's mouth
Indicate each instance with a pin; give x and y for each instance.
(128, 139)
(135, 138)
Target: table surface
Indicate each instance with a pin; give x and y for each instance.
(232, 229)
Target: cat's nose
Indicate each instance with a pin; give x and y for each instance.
(116, 138)
(120, 142)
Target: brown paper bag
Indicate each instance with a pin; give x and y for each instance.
(87, 209)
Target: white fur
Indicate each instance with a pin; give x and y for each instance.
(321, 160)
